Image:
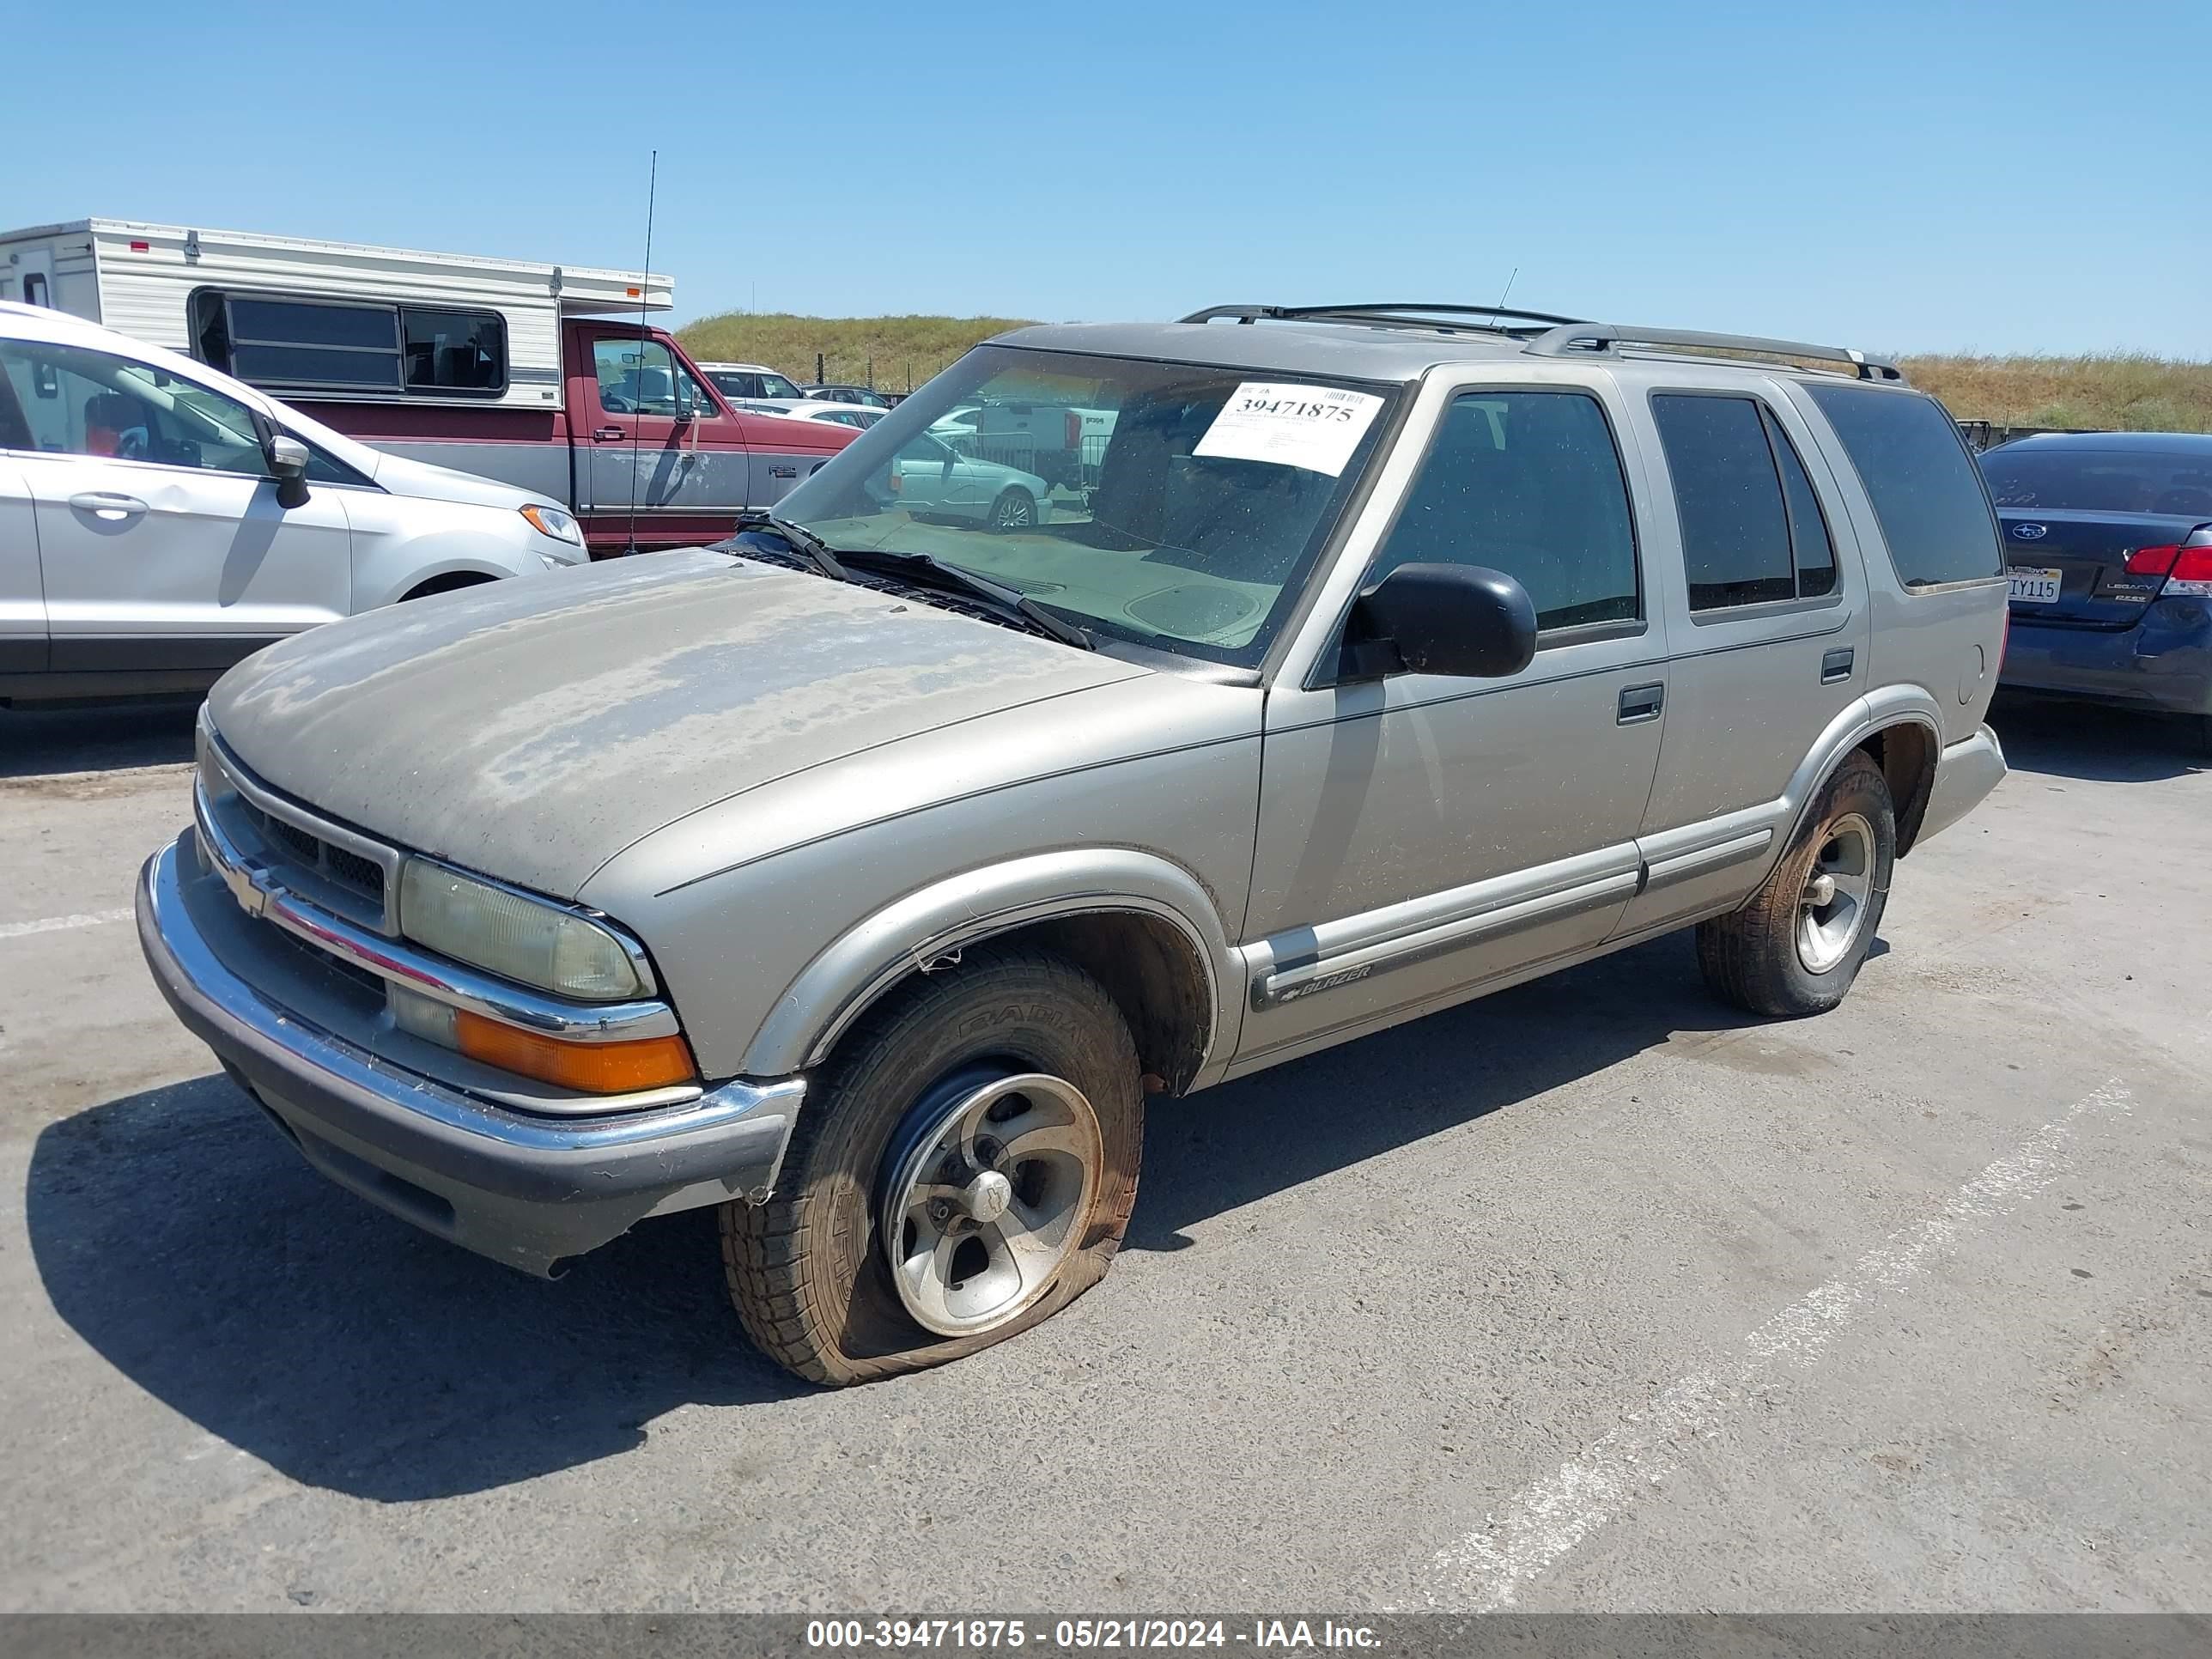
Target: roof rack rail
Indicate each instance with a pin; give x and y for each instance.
(1582, 339)
(1408, 313)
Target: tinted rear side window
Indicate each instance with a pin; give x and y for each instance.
(1735, 532)
(1926, 491)
(1808, 526)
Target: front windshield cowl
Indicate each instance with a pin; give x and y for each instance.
(1175, 506)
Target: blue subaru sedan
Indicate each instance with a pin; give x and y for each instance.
(2108, 542)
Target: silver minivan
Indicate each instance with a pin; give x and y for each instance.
(159, 520)
(1396, 655)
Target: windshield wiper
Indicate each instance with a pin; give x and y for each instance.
(801, 540)
(922, 568)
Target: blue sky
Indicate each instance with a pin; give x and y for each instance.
(2028, 176)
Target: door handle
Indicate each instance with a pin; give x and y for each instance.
(607, 435)
(1639, 703)
(108, 504)
(1836, 667)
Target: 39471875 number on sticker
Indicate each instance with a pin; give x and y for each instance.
(1315, 428)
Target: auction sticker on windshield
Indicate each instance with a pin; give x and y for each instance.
(1313, 427)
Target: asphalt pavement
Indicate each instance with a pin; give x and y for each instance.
(1594, 1295)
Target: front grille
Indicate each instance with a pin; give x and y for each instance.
(355, 870)
(361, 978)
(335, 863)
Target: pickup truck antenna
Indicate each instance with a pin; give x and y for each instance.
(644, 282)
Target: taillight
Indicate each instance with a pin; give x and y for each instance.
(2152, 560)
(1074, 430)
(2191, 576)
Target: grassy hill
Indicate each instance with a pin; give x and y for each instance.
(2119, 391)
(2123, 392)
(902, 351)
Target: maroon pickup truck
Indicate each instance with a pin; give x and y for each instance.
(644, 450)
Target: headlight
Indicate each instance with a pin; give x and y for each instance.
(519, 938)
(212, 782)
(552, 521)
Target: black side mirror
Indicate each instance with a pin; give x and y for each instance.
(1459, 619)
(287, 465)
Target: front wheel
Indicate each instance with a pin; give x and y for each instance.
(1015, 509)
(965, 1170)
(1796, 946)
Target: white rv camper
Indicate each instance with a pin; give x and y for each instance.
(144, 280)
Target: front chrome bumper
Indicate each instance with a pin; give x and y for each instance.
(527, 1189)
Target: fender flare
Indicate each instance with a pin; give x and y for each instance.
(912, 933)
(1885, 707)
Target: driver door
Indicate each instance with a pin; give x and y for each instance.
(161, 544)
(640, 454)
(1420, 835)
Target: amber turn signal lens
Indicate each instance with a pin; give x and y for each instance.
(598, 1068)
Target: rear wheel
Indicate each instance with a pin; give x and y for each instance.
(1796, 946)
(965, 1170)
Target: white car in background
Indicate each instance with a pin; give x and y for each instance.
(932, 480)
(1057, 442)
(856, 416)
(159, 520)
(754, 386)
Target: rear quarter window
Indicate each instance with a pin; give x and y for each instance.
(1926, 492)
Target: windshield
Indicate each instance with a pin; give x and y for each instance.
(2100, 480)
(1176, 506)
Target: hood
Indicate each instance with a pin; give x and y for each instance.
(532, 730)
(403, 477)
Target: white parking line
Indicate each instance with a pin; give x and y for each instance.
(1484, 1571)
(63, 924)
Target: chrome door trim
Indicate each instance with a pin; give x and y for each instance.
(1309, 960)
(1698, 860)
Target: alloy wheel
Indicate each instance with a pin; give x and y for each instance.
(989, 1180)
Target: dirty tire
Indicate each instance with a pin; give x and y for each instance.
(805, 1269)
(1751, 956)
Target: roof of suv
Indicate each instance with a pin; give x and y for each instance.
(1355, 353)
(1390, 352)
